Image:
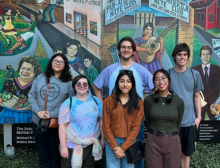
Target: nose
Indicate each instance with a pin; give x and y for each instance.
(126, 49)
(125, 84)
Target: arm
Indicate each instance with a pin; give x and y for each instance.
(62, 136)
(102, 133)
(97, 92)
(180, 114)
(146, 112)
(197, 104)
(161, 45)
(135, 127)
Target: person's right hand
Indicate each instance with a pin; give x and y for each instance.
(43, 114)
(64, 152)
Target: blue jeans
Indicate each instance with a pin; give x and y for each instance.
(140, 137)
(112, 161)
(50, 8)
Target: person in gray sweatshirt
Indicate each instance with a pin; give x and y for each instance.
(58, 76)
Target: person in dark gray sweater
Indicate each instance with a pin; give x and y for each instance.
(163, 112)
(58, 76)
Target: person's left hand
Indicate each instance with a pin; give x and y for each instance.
(119, 152)
(102, 142)
(197, 122)
(81, 71)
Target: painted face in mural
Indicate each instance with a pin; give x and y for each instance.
(87, 63)
(58, 64)
(26, 72)
(72, 50)
(125, 84)
(8, 13)
(181, 58)
(126, 50)
(205, 57)
(82, 86)
(161, 82)
(148, 31)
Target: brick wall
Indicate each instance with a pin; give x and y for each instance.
(185, 34)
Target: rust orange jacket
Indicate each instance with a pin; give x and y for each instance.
(113, 122)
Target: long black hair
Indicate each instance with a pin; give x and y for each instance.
(133, 96)
(65, 74)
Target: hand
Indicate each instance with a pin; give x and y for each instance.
(81, 71)
(43, 114)
(102, 142)
(64, 152)
(197, 121)
(149, 51)
(119, 152)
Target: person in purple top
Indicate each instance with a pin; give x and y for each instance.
(143, 78)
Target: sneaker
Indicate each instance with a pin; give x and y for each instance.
(9, 52)
(22, 46)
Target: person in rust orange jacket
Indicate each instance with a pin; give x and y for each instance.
(122, 117)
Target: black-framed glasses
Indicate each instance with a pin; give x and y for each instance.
(126, 71)
(58, 62)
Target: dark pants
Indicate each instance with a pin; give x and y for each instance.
(48, 148)
(88, 159)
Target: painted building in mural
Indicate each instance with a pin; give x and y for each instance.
(87, 32)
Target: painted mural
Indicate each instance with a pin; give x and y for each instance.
(87, 32)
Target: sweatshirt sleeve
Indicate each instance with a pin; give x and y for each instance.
(106, 125)
(135, 127)
(32, 97)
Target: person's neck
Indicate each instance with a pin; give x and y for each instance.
(23, 82)
(82, 97)
(163, 93)
(180, 69)
(126, 63)
(124, 98)
(70, 58)
(57, 75)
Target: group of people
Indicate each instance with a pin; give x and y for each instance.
(88, 123)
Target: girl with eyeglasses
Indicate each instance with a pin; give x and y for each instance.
(58, 76)
(163, 113)
(122, 117)
(80, 127)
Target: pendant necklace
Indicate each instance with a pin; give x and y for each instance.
(162, 101)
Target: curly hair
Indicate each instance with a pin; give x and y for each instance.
(31, 60)
(65, 74)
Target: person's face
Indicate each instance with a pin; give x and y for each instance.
(82, 86)
(148, 31)
(125, 84)
(72, 50)
(58, 64)
(26, 72)
(8, 13)
(181, 58)
(126, 50)
(161, 82)
(87, 63)
(205, 56)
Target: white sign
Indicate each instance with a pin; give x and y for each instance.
(175, 8)
(118, 8)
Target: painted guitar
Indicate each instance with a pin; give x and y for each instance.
(154, 45)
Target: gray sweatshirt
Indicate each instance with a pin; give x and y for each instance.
(58, 92)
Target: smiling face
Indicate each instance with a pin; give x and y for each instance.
(87, 63)
(161, 82)
(58, 65)
(125, 84)
(8, 13)
(126, 51)
(205, 57)
(148, 31)
(181, 58)
(82, 87)
(26, 72)
(72, 50)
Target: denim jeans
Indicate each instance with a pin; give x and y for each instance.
(50, 8)
(140, 137)
(112, 161)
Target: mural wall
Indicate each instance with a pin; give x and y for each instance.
(87, 32)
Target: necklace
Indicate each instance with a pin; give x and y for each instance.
(162, 101)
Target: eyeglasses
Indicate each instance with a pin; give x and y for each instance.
(84, 84)
(128, 47)
(126, 71)
(163, 79)
(58, 62)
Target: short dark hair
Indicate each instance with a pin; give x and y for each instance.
(162, 71)
(90, 57)
(76, 79)
(205, 48)
(31, 60)
(72, 42)
(133, 96)
(65, 75)
(146, 25)
(179, 48)
(133, 45)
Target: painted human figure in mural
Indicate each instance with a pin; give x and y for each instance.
(49, 6)
(14, 97)
(215, 108)
(143, 51)
(211, 81)
(9, 29)
(71, 51)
